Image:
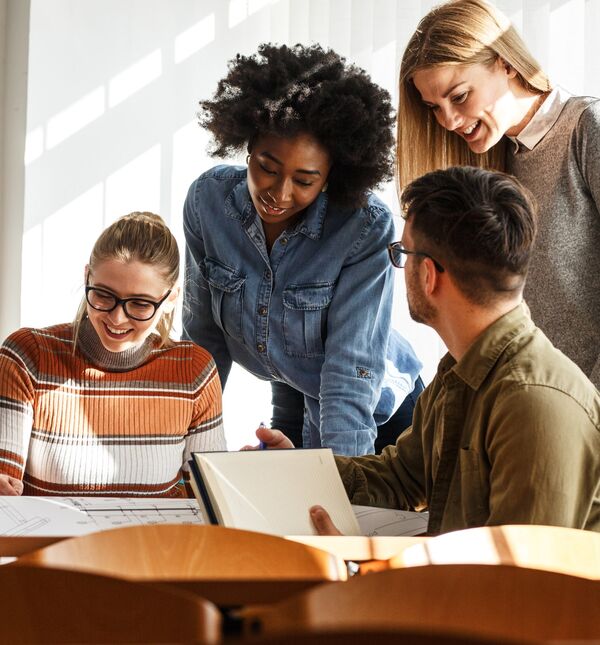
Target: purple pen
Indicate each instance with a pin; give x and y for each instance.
(262, 445)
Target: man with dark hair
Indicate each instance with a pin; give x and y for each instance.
(508, 431)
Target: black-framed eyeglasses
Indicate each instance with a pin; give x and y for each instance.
(398, 255)
(136, 308)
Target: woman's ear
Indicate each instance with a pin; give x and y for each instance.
(508, 69)
(171, 301)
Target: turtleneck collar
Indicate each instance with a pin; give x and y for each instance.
(92, 348)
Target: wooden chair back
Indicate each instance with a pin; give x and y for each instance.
(42, 605)
(378, 637)
(552, 548)
(480, 601)
(227, 566)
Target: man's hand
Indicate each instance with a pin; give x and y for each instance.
(270, 439)
(10, 485)
(322, 522)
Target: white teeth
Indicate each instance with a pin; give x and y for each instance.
(273, 208)
(117, 331)
(471, 128)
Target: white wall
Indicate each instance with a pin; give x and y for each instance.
(112, 94)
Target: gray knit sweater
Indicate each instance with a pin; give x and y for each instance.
(563, 287)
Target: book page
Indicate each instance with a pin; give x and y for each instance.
(271, 491)
(375, 521)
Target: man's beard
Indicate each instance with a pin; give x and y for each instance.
(418, 307)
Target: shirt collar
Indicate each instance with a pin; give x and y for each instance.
(238, 205)
(479, 360)
(543, 120)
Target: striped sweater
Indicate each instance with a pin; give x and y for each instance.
(96, 422)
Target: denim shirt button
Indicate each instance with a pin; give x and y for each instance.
(263, 311)
(267, 274)
(284, 240)
(261, 348)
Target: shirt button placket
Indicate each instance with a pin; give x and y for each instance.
(263, 311)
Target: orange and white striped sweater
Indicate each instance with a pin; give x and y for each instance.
(96, 422)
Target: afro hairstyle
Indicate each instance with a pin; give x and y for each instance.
(285, 91)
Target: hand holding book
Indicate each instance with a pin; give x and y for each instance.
(322, 522)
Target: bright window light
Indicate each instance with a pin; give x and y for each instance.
(237, 12)
(195, 38)
(74, 118)
(34, 145)
(135, 186)
(134, 78)
(257, 5)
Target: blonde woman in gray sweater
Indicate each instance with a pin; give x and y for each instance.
(472, 94)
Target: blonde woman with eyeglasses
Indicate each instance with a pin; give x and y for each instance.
(109, 405)
(471, 93)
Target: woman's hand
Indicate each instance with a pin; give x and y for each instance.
(270, 439)
(322, 522)
(10, 485)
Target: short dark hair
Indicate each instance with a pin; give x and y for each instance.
(285, 91)
(478, 224)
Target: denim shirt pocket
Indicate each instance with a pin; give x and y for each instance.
(226, 286)
(305, 318)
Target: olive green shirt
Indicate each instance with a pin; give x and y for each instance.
(508, 435)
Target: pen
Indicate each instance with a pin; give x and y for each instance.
(261, 444)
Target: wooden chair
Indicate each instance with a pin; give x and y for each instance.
(551, 548)
(228, 566)
(378, 637)
(40, 605)
(478, 601)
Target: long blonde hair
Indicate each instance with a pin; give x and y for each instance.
(459, 32)
(138, 237)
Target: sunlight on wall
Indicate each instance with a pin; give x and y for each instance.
(134, 78)
(34, 145)
(135, 186)
(74, 118)
(195, 38)
(56, 253)
(561, 56)
(239, 10)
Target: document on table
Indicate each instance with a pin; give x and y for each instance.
(70, 516)
(375, 521)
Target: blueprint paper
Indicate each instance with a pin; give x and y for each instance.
(70, 516)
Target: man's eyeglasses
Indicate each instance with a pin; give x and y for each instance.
(398, 255)
(136, 308)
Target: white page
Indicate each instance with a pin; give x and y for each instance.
(271, 491)
(375, 521)
(70, 516)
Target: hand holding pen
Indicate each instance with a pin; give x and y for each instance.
(261, 444)
(270, 439)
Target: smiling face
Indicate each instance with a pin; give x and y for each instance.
(477, 102)
(118, 332)
(285, 175)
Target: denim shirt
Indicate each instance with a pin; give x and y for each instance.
(314, 312)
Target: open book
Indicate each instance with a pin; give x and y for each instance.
(271, 491)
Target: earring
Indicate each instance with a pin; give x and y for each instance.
(247, 159)
(324, 189)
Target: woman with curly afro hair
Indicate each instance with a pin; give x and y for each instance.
(287, 267)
